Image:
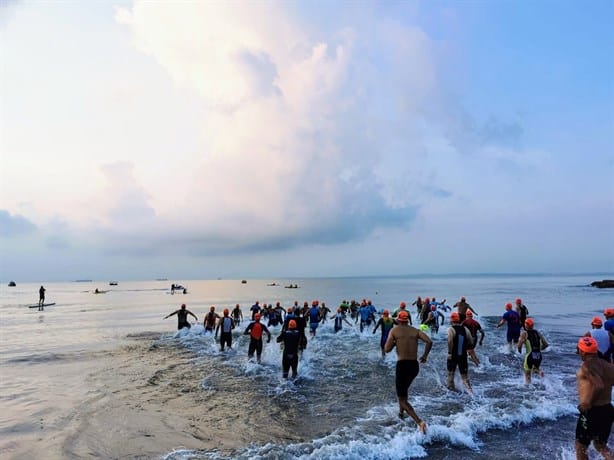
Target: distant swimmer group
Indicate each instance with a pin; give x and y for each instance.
(464, 334)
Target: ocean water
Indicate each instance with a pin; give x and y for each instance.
(343, 404)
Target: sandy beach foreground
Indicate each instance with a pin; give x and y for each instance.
(142, 400)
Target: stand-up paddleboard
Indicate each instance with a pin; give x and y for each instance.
(44, 305)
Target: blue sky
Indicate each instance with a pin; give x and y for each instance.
(284, 139)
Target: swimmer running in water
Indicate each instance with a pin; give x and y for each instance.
(405, 338)
(386, 323)
(182, 317)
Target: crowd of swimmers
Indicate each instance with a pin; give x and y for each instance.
(596, 349)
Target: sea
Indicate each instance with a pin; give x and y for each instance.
(343, 403)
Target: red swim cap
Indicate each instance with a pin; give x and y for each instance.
(257, 316)
(402, 305)
(225, 311)
(433, 307)
(182, 305)
(292, 324)
(518, 301)
(508, 306)
(528, 323)
(403, 317)
(588, 345)
(469, 313)
(597, 321)
(454, 317)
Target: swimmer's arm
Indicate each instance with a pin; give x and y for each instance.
(390, 343)
(190, 313)
(588, 385)
(469, 337)
(545, 343)
(521, 341)
(170, 314)
(451, 334)
(427, 348)
(481, 331)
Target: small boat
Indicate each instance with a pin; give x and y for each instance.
(243, 281)
(12, 284)
(112, 283)
(292, 286)
(98, 291)
(272, 284)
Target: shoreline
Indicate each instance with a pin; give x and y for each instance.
(141, 400)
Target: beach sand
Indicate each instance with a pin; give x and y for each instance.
(142, 400)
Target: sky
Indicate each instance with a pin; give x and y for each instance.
(197, 140)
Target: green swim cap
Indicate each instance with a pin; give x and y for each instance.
(424, 328)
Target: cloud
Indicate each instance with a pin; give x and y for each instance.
(305, 138)
(15, 225)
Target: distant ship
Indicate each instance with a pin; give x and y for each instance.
(243, 281)
(12, 284)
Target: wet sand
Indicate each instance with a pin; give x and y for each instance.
(142, 400)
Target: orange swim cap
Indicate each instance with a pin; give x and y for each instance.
(469, 313)
(518, 301)
(508, 306)
(402, 305)
(528, 323)
(455, 317)
(292, 324)
(608, 312)
(257, 316)
(597, 321)
(588, 345)
(403, 317)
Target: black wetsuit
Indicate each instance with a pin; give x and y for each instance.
(182, 319)
(226, 325)
(459, 350)
(291, 339)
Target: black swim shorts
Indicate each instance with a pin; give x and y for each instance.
(407, 370)
(595, 425)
